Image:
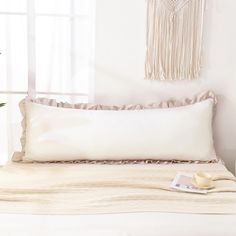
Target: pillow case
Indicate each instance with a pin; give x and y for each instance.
(66, 132)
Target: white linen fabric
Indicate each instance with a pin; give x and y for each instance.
(64, 134)
(132, 224)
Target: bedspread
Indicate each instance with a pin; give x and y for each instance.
(94, 189)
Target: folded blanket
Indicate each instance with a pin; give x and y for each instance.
(93, 189)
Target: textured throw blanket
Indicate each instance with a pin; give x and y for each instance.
(92, 189)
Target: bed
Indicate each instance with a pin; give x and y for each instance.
(54, 199)
(107, 170)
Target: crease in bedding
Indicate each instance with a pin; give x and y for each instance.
(98, 189)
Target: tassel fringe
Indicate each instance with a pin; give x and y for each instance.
(174, 39)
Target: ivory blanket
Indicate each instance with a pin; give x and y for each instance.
(93, 189)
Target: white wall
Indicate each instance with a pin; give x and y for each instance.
(120, 55)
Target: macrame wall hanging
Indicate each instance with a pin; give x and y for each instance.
(174, 39)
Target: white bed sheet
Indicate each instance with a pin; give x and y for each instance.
(128, 224)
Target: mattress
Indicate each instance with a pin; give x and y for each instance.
(125, 224)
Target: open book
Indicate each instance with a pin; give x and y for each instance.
(183, 182)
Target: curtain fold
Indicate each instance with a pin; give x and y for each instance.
(62, 44)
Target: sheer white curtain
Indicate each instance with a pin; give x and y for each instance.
(49, 44)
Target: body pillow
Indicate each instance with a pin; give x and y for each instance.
(53, 133)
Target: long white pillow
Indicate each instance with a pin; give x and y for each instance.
(66, 134)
